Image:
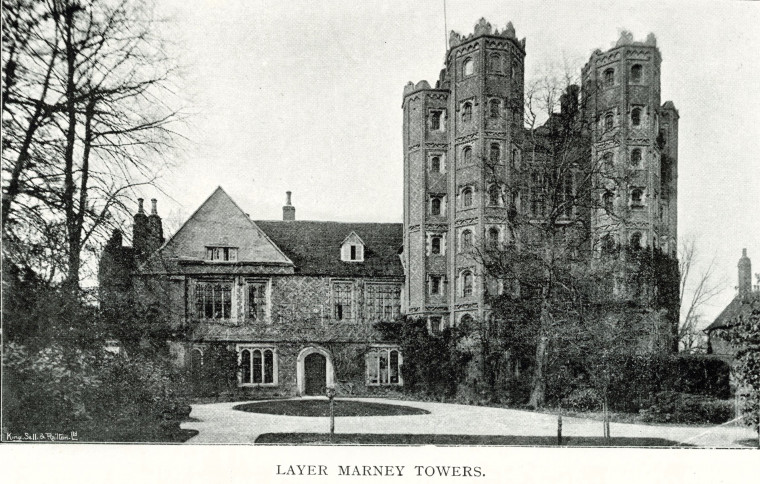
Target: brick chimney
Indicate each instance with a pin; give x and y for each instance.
(745, 274)
(156, 228)
(140, 232)
(288, 210)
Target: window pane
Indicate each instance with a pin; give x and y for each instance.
(373, 373)
(383, 367)
(245, 362)
(268, 366)
(394, 367)
(257, 366)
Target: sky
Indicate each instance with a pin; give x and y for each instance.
(306, 96)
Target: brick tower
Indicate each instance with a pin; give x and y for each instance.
(459, 139)
(634, 143)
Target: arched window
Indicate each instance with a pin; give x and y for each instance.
(435, 164)
(466, 240)
(609, 160)
(466, 285)
(493, 238)
(435, 206)
(494, 195)
(468, 66)
(637, 197)
(515, 158)
(608, 244)
(636, 117)
(495, 63)
(435, 120)
(435, 245)
(608, 200)
(515, 69)
(609, 77)
(257, 366)
(636, 157)
(493, 108)
(467, 155)
(636, 240)
(467, 112)
(609, 121)
(494, 154)
(466, 320)
(383, 367)
(636, 72)
(467, 197)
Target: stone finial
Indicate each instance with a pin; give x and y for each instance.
(651, 40)
(626, 38)
(510, 31)
(482, 27)
(153, 206)
(454, 39)
(140, 206)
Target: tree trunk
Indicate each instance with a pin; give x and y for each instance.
(74, 260)
(538, 393)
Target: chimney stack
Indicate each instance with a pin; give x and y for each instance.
(288, 210)
(153, 210)
(745, 274)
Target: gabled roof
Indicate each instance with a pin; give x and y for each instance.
(354, 236)
(219, 221)
(740, 306)
(314, 247)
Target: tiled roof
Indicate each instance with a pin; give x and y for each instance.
(218, 222)
(740, 306)
(314, 247)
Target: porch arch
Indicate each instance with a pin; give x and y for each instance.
(301, 367)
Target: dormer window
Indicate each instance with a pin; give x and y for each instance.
(352, 249)
(221, 254)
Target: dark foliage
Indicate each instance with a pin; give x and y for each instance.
(434, 365)
(675, 407)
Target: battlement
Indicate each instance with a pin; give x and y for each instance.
(423, 85)
(484, 28)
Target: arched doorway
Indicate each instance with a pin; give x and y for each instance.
(314, 371)
(315, 368)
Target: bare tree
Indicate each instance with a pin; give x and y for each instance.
(699, 284)
(88, 99)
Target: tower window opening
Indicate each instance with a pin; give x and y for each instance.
(636, 117)
(608, 244)
(609, 77)
(608, 161)
(493, 238)
(466, 284)
(609, 121)
(435, 164)
(495, 153)
(608, 200)
(467, 155)
(636, 157)
(468, 67)
(495, 63)
(435, 284)
(636, 72)
(494, 106)
(515, 158)
(435, 120)
(515, 69)
(435, 244)
(637, 197)
(467, 197)
(466, 240)
(636, 240)
(435, 206)
(467, 112)
(494, 194)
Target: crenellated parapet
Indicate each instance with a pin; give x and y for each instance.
(484, 27)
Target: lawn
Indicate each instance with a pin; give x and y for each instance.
(448, 439)
(321, 408)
